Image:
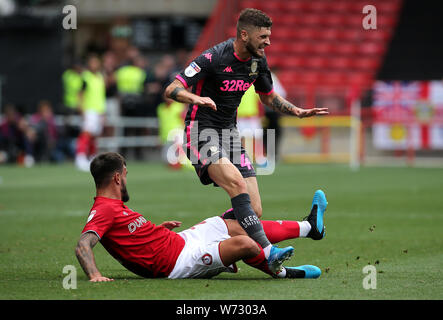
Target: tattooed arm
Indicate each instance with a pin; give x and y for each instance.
(176, 91)
(85, 257)
(279, 104)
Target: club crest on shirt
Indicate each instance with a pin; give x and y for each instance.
(192, 69)
(254, 66)
(207, 259)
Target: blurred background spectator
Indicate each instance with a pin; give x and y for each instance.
(17, 138)
(171, 115)
(92, 105)
(46, 136)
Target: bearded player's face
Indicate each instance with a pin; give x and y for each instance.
(258, 40)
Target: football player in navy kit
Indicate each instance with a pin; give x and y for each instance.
(219, 77)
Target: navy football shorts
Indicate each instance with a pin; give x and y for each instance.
(206, 146)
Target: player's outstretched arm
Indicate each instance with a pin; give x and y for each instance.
(279, 104)
(85, 257)
(176, 91)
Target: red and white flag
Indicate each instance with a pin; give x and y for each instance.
(407, 115)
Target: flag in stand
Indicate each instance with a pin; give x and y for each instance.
(403, 116)
(436, 127)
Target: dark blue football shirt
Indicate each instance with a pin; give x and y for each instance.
(218, 73)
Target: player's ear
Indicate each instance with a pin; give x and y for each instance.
(117, 177)
(244, 35)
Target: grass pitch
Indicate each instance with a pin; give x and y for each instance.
(390, 218)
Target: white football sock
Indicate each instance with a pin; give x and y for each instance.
(305, 227)
(267, 251)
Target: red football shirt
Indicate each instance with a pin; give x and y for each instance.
(139, 245)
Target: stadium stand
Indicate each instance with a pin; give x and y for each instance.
(317, 44)
(323, 43)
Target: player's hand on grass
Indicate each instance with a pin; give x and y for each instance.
(171, 224)
(99, 278)
(303, 113)
(205, 102)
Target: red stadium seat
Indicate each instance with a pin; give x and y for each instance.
(388, 7)
(282, 33)
(371, 48)
(316, 62)
(380, 34)
(310, 20)
(293, 6)
(340, 62)
(277, 46)
(272, 7)
(322, 47)
(354, 20)
(356, 7)
(330, 34)
(288, 20)
(300, 47)
(287, 78)
(306, 33)
(332, 20)
(307, 78)
(382, 6)
(345, 48)
(291, 62)
(341, 7)
(368, 64)
(250, 4)
(354, 34)
(333, 78)
(319, 6)
(359, 79)
(273, 60)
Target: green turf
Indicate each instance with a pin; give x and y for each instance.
(391, 218)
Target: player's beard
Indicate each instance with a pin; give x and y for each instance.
(124, 192)
(252, 50)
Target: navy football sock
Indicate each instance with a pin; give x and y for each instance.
(248, 220)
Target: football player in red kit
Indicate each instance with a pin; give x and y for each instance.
(154, 251)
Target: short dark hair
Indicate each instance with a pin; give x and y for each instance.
(104, 166)
(252, 17)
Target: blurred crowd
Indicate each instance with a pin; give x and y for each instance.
(109, 84)
(111, 81)
(36, 138)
